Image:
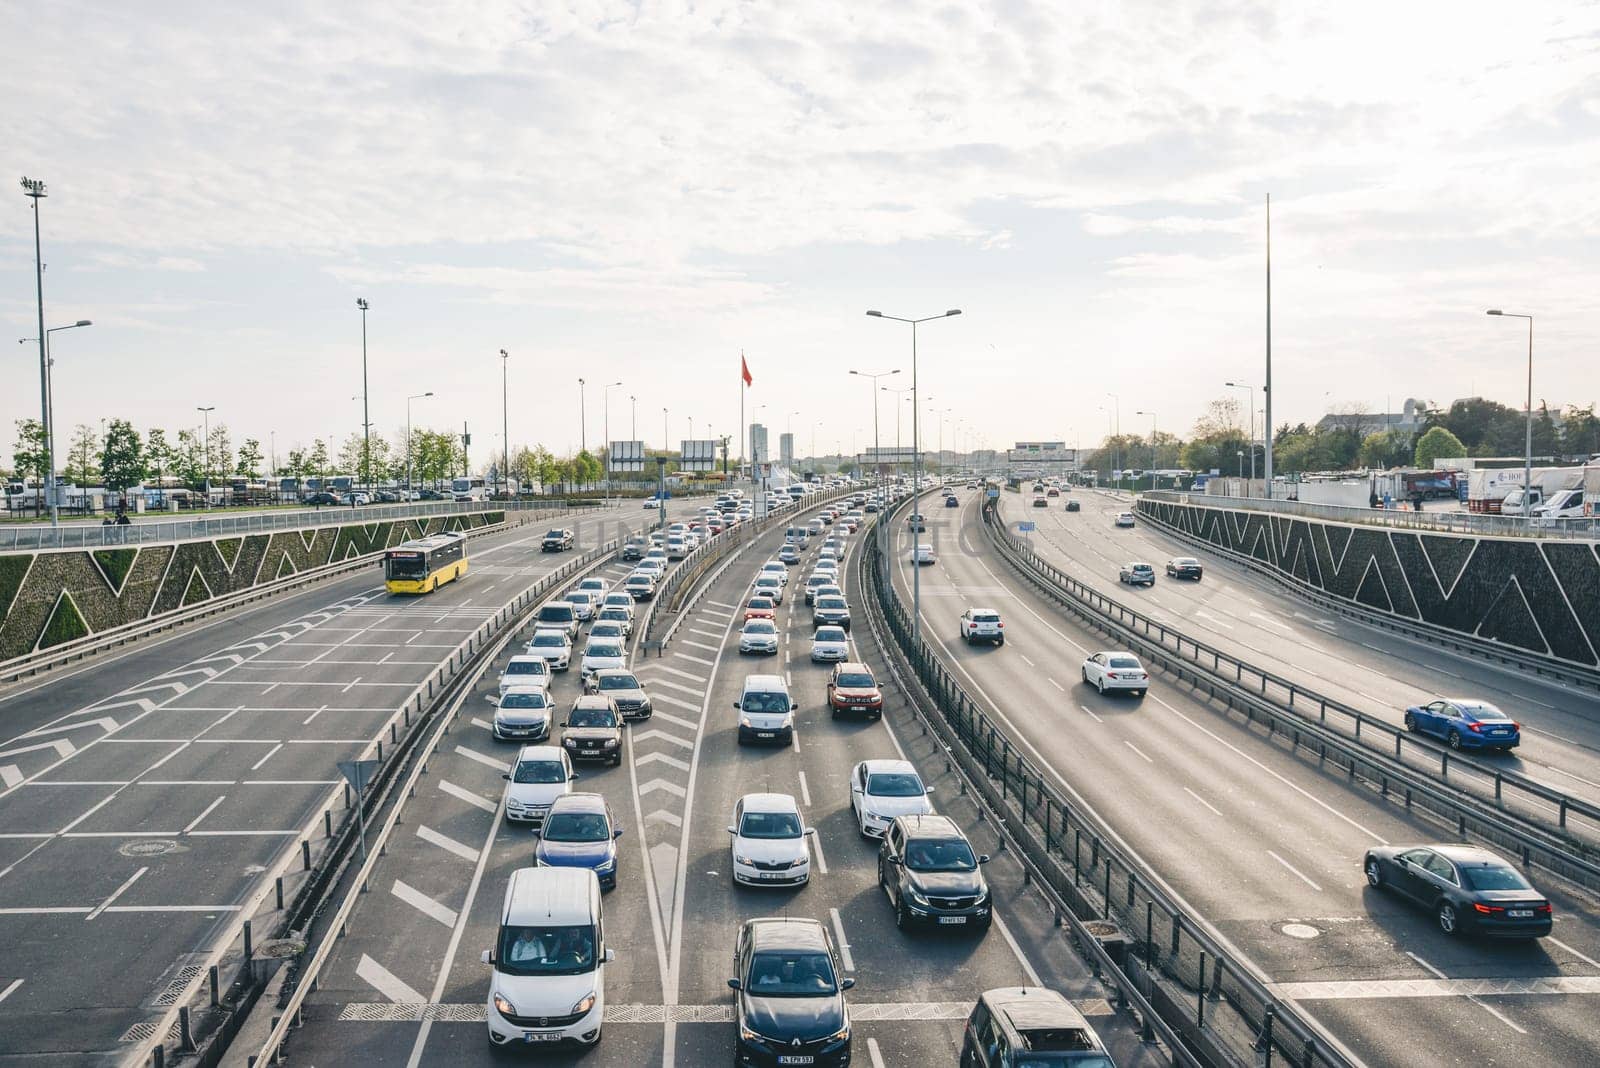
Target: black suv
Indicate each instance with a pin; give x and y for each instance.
(1029, 1025)
(927, 868)
(634, 549)
(593, 729)
(788, 997)
(557, 540)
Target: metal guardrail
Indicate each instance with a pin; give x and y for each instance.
(1433, 522)
(1194, 989)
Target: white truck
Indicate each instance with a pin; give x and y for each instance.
(1498, 490)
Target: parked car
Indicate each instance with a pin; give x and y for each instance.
(1184, 567)
(932, 876)
(1137, 574)
(768, 842)
(981, 625)
(1465, 724)
(1017, 1027)
(556, 540)
(323, 498)
(1116, 671)
(580, 832)
(1467, 889)
(852, 689)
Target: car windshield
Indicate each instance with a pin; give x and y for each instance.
(544, 772)
(1493, 877)
(894, 784)
(546, 950)
(770, 825)
(592, 717)
(548, 640)
(527, 667)
(555, 613)
(829, 634)
(856, 680)
(948, 854)
(760, 602)
(604, 649)
(765, 701)
(556, 534)
(618, 682)
(606, 629)
(576, 827)
(1124, 662)
(985, 617)
(818, 580)
(830, 602)
(760, 626)
(805, 973)
(767, 580)
(536, 699)
(580, 597)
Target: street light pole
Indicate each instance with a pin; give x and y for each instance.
(1152, 416)
(1116, 448)
(505, 421)
(633, 431)
(916, 570)
(1527, 460)
(366, 416)
(35, 189)
(877, 450)
(583, 433)
(205, 445)
(409, 482)
(1252, 391)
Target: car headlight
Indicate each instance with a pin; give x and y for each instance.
(746, 861)
(841, 1035)
(744, 721)
(611, 743)
(584, 1004)
(748, 1035)
(605, 865)
(917, 896)
(502, 1006)
(645, 706)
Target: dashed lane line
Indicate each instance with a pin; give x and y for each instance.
(423, 903)
(445, 842)
(845, 957)
(462, 794)
(387, 983)
(8, 991)
(1202, 800)
(1296, 872)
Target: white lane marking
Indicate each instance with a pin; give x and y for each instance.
(1548, 767)
(209, 808)
(118, 892)
(1581, 956)
(701, 645)
(448, 787)
(721, 604)
(257, 765)
(874, 1054)
(1025, 660)
(1136, 749)
(1202, 800)
(661, 784)
(645, 736)
(445, 842)
(352, 685)
(387, 983)
(805, 791)
(662, 758)
(1092, 716)
(844, 945)
(313, 715)
(664, 699)
(695, 659)
(10, 775)
(485, 724)
(676, 721)
(1490, 1009)
(1016, 950)
(1269, 621)
(1057, 685)
(674, 671)
(1296, 872)
(8, 991)
(423, 903)
(486, 761)
(794, 739)
(669, 684)
(704, 633)
(816, 844)
(1201, 613)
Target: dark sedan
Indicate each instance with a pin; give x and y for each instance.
(1465, 888)
(789, 1005)
(1465, 724)
(556, 541)
(1184, 567)
(1072, 506)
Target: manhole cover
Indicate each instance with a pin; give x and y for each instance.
(1299, 930)
(148, 847)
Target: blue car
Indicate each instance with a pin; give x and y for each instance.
(1465, 724)
(579, 832)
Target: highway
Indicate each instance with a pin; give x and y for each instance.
(149, 796)
(1264, 846)
(416, 938)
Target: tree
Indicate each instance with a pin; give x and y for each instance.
(31, 456)
(298, 466)
(83, 458)
(1435, 444)
(188, 458)
(587, 469)
(219, 454)
(1546, 438)
(318, 458)
(1580, 437)
(249, 465)
(122, 460)
(1386, 449)
(157, 452)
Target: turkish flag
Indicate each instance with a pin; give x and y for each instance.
(744, 371)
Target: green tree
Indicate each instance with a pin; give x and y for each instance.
(586, 468)
(219, 454)
(83, 458)
(1386, 449)
(122, 460)
(188, 458)
(1437, 443)
(157, 452)
(317, 458)
(298, 466)
(1580, 437)
(249, 463)
(30, 455)
(1546, 438)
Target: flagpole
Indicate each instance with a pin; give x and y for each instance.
(742, 387)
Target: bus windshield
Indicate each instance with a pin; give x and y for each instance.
(407, 565)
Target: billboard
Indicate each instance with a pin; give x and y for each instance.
(1042, 452)
(699, 455)
(894, 457)
(626, 455)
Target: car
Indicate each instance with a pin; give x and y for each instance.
(952, 502)
(1017, 1027)
(654, 568)
(767, 842)
(322, 498)
(852, 689)
(622, 618)
(634, 549)
(759, 636)
(1467, 889)
(1040, 502)
(814, 582)
(829, 645)
(617, 598)
(872, 507)
(829, 568)
(640, 586)
(1124, 519)
(657, 553)
(1052, 492)
(677, 547)
(880, 790)
(1038, 487)
(582, 602)
(931, 875)
(769, 586)
(759, 607)
(1072, 506)
(981, 625)
(556, 540)
(625, 691)
(580, 832)
(1465, 723)
(923, 554)
(815, 528)
(541, 774)
(653, 501)
(1184, 567)
(789, 554)
(789, 1005)
(524, 670)
(777, 569)
(558, 615)
(522, 714)
(553, 646)
(766, 710)
(831, 608)
(1116, 671)
(601, 653)
(593, 729)
(1137, 574)
(916, 522)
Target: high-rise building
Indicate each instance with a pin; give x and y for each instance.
(758, 444)
(786, 450)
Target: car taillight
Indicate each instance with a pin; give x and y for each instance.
(1487, 910)
(1475, 728)
(1000, 626)
(1542, 908)
(1516, 726)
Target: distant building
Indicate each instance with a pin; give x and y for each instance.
(786, 450)
(1410, 420)
(758, 444)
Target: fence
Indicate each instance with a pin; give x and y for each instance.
(1432, 522)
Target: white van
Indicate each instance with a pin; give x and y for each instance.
(766, 711)
(548, 983)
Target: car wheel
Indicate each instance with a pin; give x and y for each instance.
(1085, 672)
(1374, 873)
(1454, 739)
(1411, 723)
(1448, 920)
(1100, 684)
(900, 917)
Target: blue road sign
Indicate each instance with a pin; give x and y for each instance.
(1025, 526)
(993, 493)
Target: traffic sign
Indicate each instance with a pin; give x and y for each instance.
(993, 493)
(1026, 526)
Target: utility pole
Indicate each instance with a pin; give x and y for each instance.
(1266, 430)
(366, 414)
(35, 189)
(505, 422)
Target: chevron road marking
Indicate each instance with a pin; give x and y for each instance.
(676, 721)
(487, 761)
(661, 815)
(60, 745)
(446, 786)
(105, 723)
(664, 736)
(143, 704)
(662, 758)
(678, 686)
(448, 844)
(388, 984)
(10, 775)
(423, 903)
(662, 784)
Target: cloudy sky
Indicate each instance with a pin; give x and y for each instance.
(638, 191)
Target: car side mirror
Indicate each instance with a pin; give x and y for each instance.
(574, 776)
(811, 831)
(736, 704)
(734, 984)
(506, 775)
(563, 723)
(616, 832)
(847, 984)
(927, 790)
(794, 706)
(608, 956)
(487, 957)
(983, 858)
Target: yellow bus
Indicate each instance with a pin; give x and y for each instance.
(424, 565)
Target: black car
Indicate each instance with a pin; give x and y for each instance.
(1184, 567)
(927, 868)
(1465, 888)
(952, 502)
(1041, 502)
(1072, 506)
(789, 1004)
(593, 730)
(634, 550)
(556, 540)
(1029, 1025)
(323, 498)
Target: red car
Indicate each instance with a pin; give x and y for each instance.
(853, 690)
(759, 608)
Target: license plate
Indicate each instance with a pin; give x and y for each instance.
(770, 875)
(796, 1058)
(541, 1036)
(952, 919)
(858, 708)
(766, 734)
(1520, 914)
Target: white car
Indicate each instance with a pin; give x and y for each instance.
(602, 653)
(582, 602)
(552, 645)
(641, 585)
(828, 568)
(1116, 671)
(769, 586)
(597, 586)
(759, 636)
(830, 645)
(524, 670)
(880, 790)
(610, 629)
(768, 841)
(541, 774)
(522, 714)
(651, 566)
(622, 617)
(777, 568)
(923, 554)
(618, 599)
(1124, 519)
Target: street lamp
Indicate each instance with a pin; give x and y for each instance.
(1527, 462)
(666, 434)
(414, 396)
(505, 421)
(1241, 463)
(34, 189)
(876, 448)
(1252, 391)
(50, 390)
(916, 572)
(633, 432)
(1152, 416)
(366, 418)
(205, 442)
(583, 435)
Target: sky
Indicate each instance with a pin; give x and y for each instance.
(639, 192)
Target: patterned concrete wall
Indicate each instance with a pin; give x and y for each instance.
(1541, 596)
(51, 597)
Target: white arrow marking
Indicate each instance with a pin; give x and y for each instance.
(673, 738)
(662, 758)
(663, 816)
(661, 784)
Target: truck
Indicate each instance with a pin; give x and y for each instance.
(1591, 491)
(1498, 490)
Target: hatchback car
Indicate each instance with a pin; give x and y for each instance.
(552, 645)
(761, 607)
(625, 689)
(541, 774)
(831, 608)
(923, 554)
(789, 554)
(1465, 724)
(853, 690)
(602, 653)
(523, 714)
(556, 540)
(1116, 671)
(1124, 519)
(930, 874)
(1018, 1027)
(981, 625)
(1464, 887)
(524, 670)
(789, 1005)
(597, 586)
(593, 730)
(640, 587)
(769, 586)
(880, 790)
(1184, 567)
(768, 842)
(583, 604)
(1137, 574)
(580, 832)
(759, 637)
(1072, 506)
(830, 645)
